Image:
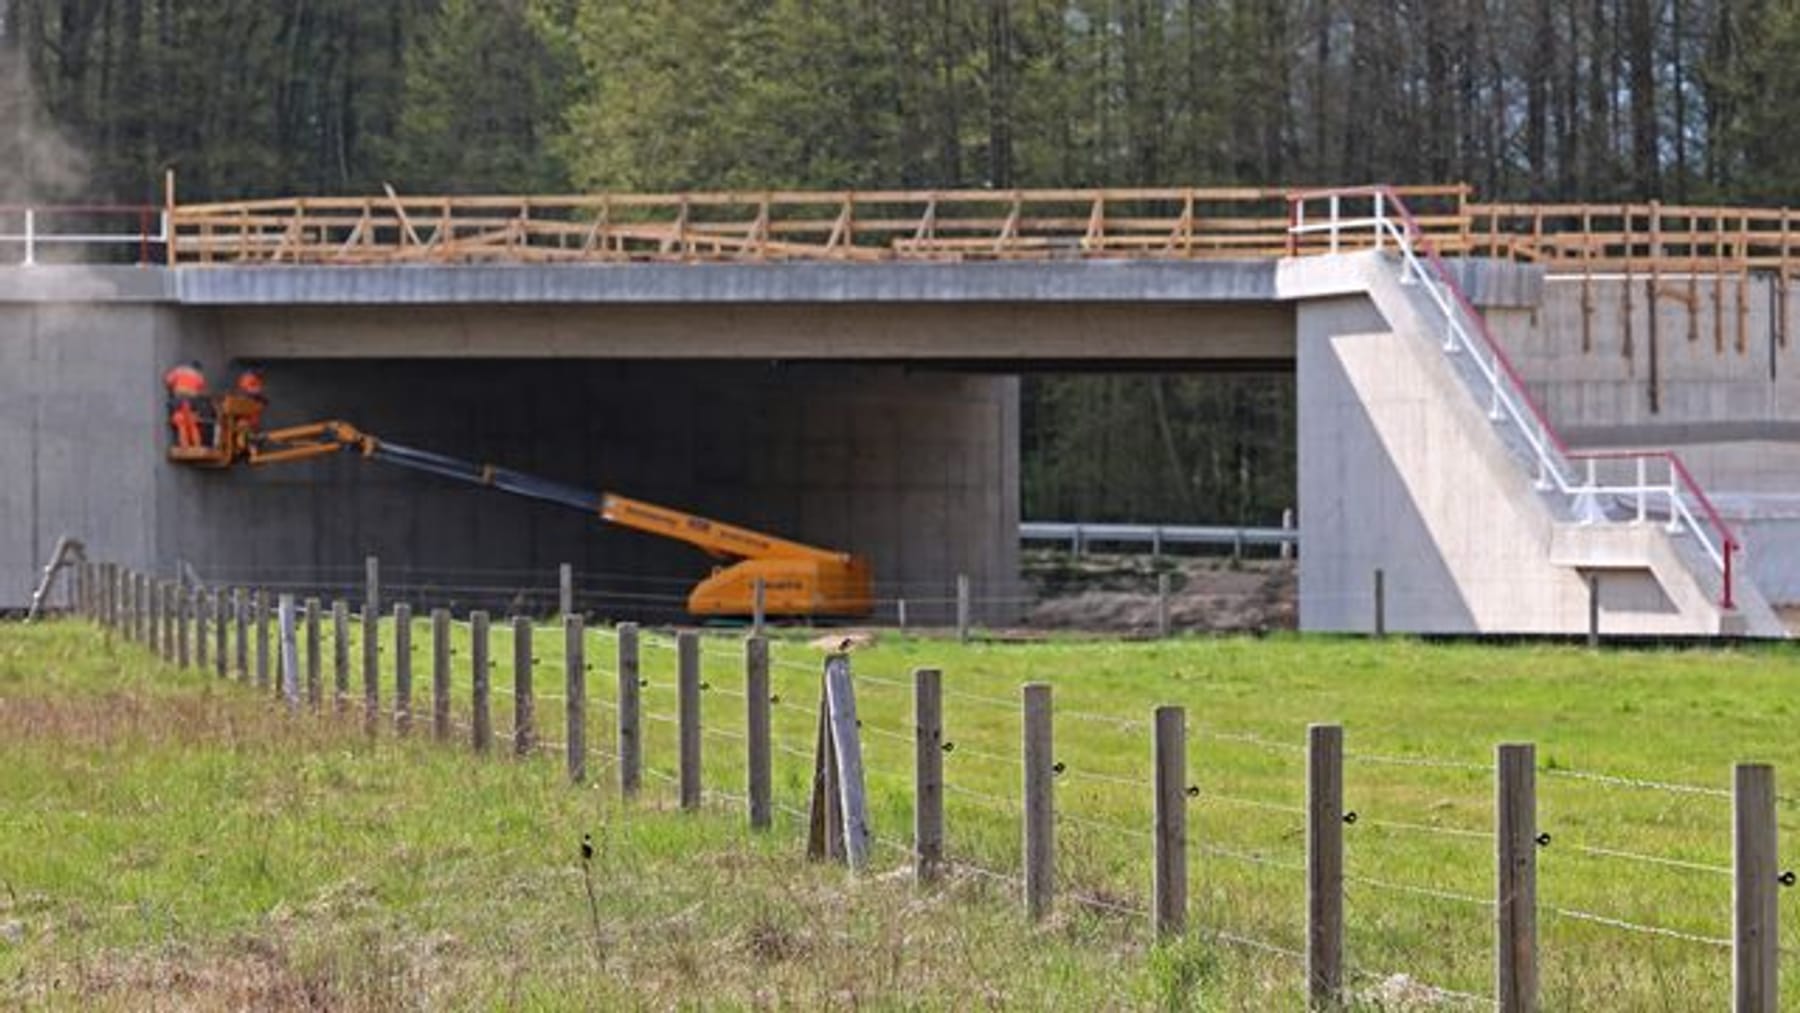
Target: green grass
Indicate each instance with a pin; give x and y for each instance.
(204, 830)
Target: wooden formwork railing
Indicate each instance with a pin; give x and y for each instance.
(850, 226)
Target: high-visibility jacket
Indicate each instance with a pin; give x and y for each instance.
(250, 383)
(185, 381)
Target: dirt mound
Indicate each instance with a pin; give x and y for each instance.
(1119, 593)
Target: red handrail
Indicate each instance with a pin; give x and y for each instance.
(1422, 243)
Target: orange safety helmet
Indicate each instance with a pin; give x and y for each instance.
(250, 382)
(185, 380)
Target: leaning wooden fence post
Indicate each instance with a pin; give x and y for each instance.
(846, 743)
(1515, 878)
(687, 685)
(1325, 865)
(1756, 954)
(315, 683)
(631, 744)
(1039, 815)
(481, 729)
(440, 673)
(1169, 881)
(928, 774)
(290, 653)
(340, 657)
(261, 618)
(402, 668)
(759, 750)
(524, 705)
(575, 694)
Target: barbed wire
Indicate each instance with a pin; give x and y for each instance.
(1421, 891)
(1637, 927)
(1634, 856)
(1212, 850)
(1620, 781)
(1419, 761)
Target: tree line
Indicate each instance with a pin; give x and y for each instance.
(1687, 100)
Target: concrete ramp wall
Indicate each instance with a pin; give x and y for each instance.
(1402, 470)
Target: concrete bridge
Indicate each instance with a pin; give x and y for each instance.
(870, 401)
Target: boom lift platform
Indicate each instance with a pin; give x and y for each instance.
(798, 580)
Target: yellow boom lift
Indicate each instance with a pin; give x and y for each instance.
(798, 580)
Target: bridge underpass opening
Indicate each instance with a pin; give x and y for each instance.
(917, 471)
(1169, 443)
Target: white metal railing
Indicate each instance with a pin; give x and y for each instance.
(33, 230)
(1588, 481)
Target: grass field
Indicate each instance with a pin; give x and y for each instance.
(174, 833)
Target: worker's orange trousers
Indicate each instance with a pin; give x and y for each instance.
(186, 423)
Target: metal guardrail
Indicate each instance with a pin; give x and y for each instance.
(34, 231)
(1080, 535)
(1381, 219)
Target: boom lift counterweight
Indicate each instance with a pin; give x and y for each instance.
(798, 580)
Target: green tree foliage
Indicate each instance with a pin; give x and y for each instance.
(485, 88)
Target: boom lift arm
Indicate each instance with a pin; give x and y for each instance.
(798, 579)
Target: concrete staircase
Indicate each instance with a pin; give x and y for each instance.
(1411, 466)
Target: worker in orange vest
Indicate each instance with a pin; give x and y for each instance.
(187, 400)
(250, 387)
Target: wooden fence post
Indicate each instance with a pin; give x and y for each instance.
(928, 774)
(1380, 602)
(1515, 878)
(962, 608)
(184, 629)
(221, 634)
(145, 615)
(402, 668)
(575, 693)
(240, 621)
(153, 632)
(371, 663)
(481, 729)
(1325, 865)
(1593, 594)
(687, 685)
(340, 657)
(524, 705)
(315, 681)
(202, 604)
(1169, 880)
(631, 745)
(290, 655)
(1756, 941)
(440, 673)
(565, 590)
(261, 618)
(846, 759)
(758, 604)
(1040, 815)
(758, 749)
